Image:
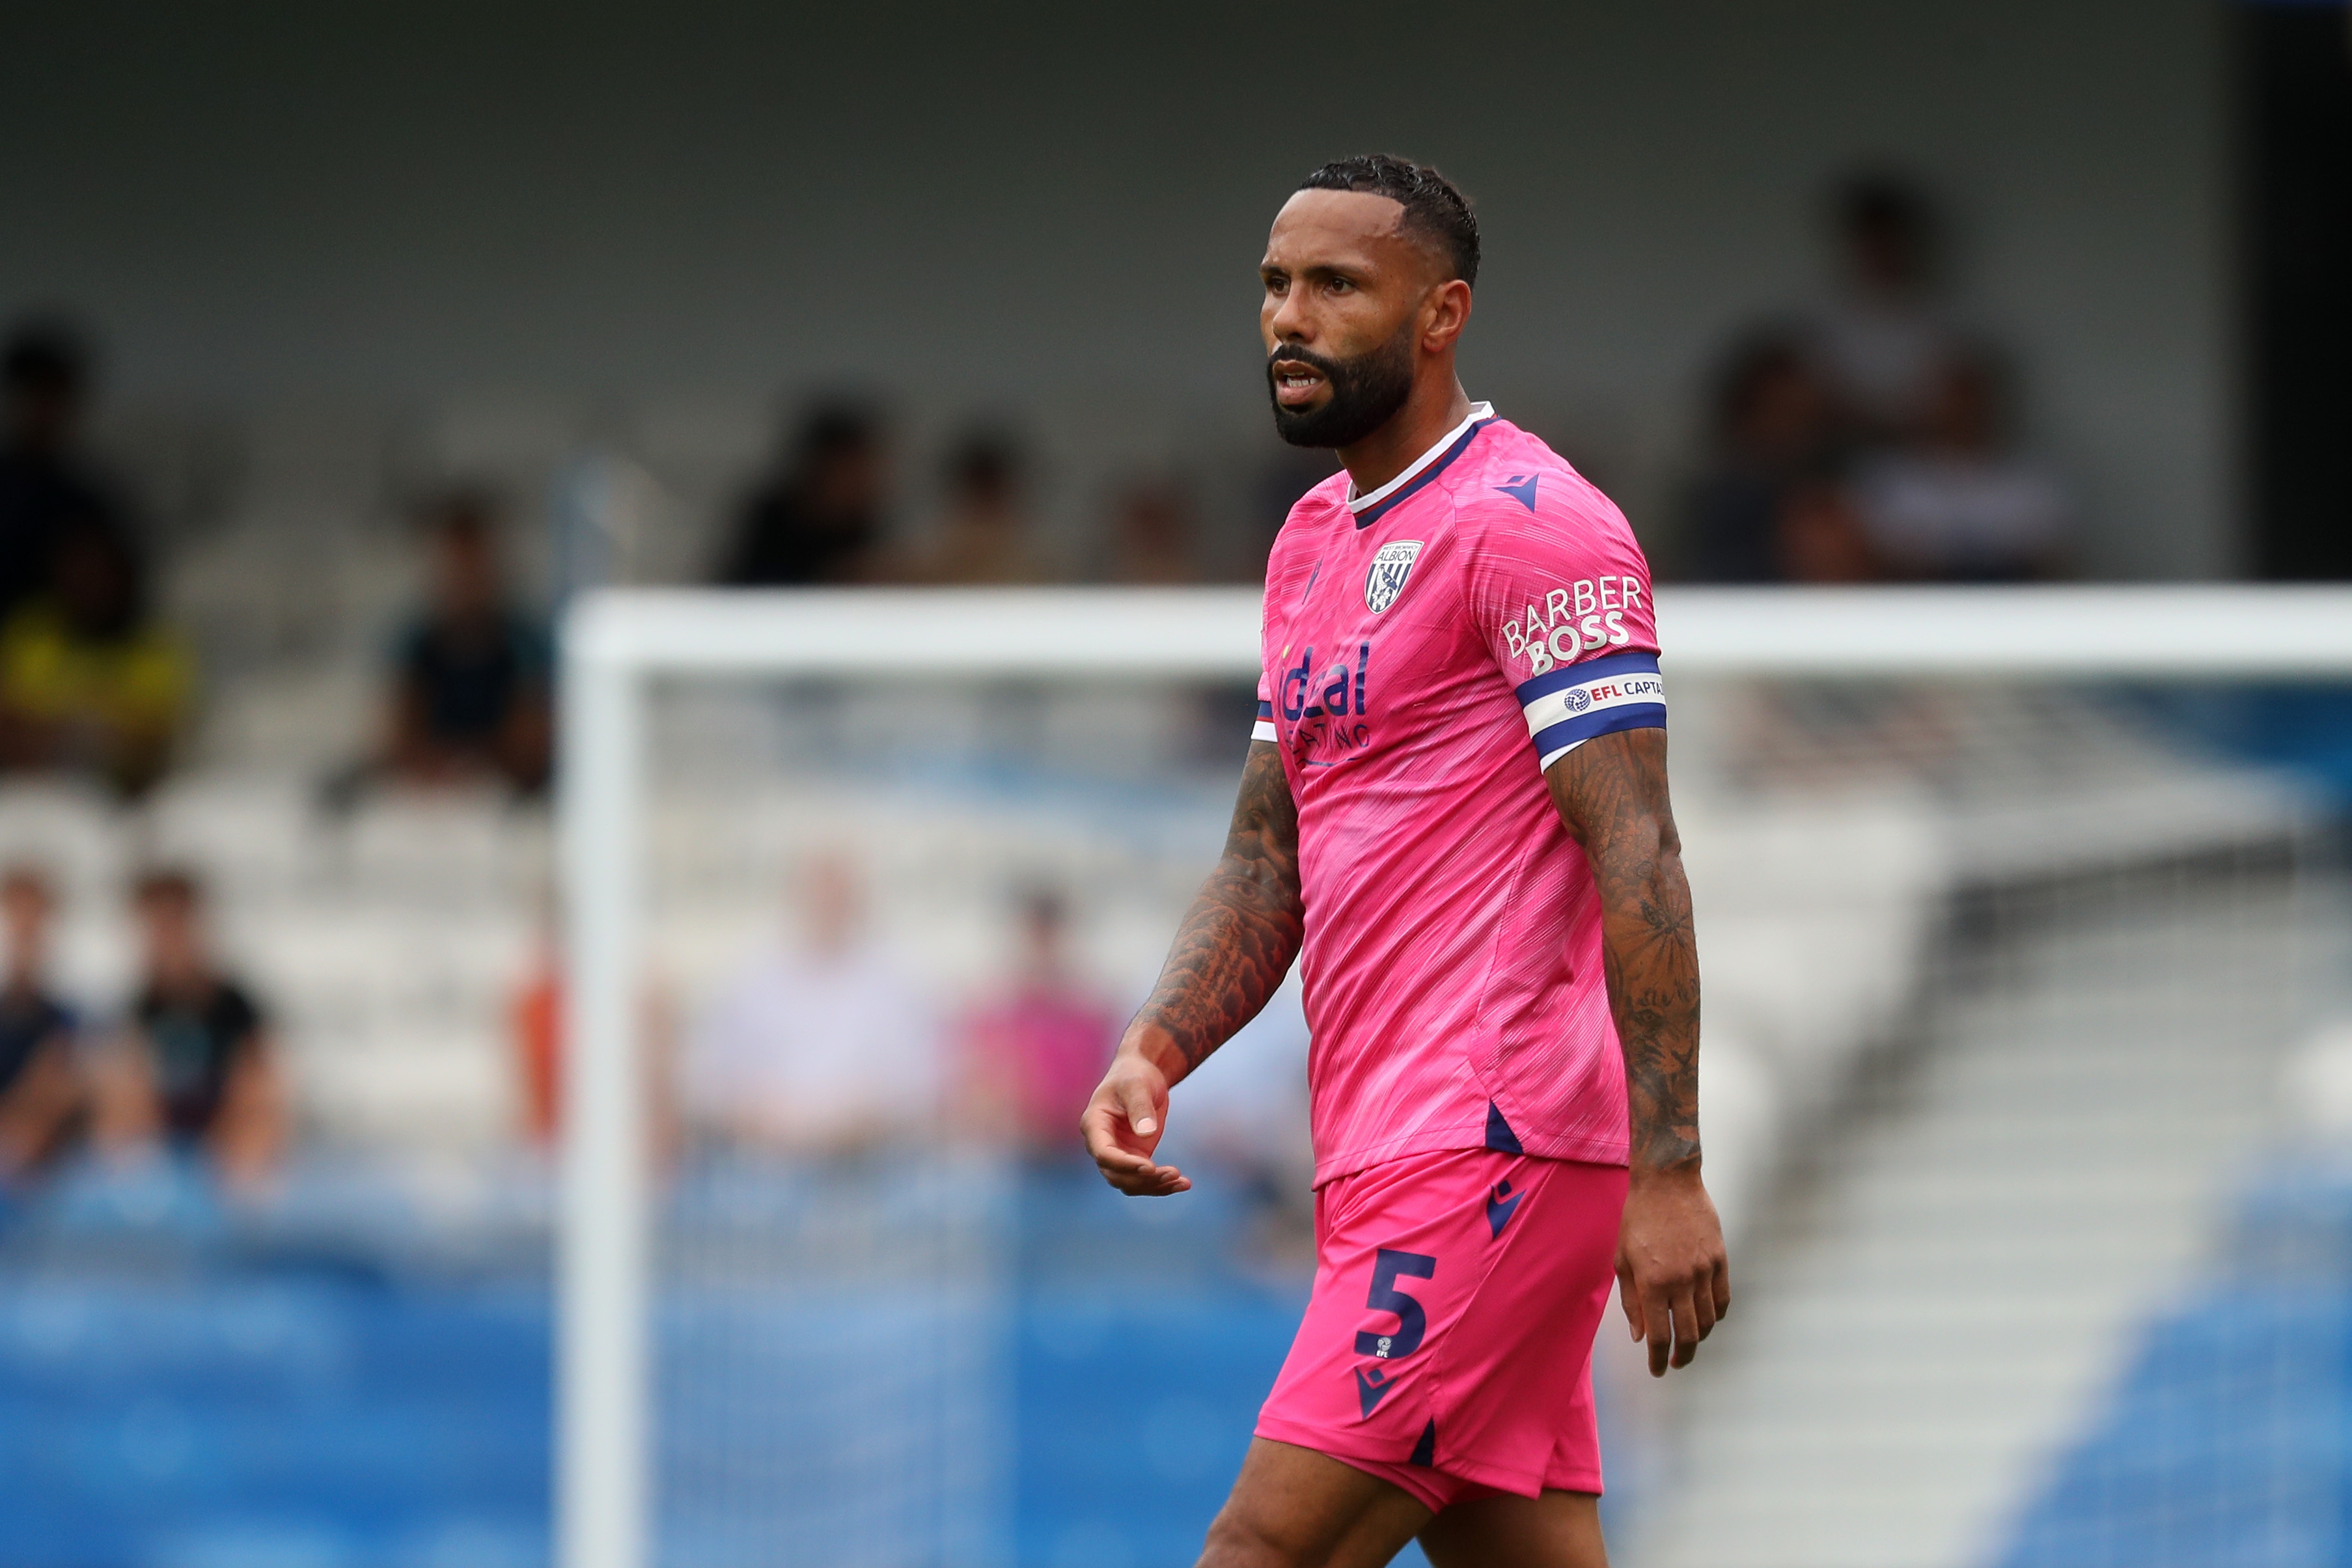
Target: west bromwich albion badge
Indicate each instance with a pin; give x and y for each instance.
(1390, 566)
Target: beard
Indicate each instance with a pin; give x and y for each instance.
(1366, 393)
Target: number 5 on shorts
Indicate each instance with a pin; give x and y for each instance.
(1412, 1323)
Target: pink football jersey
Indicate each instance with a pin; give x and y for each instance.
(1429, 650)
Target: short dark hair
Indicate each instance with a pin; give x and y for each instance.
(1884, 200)
(835, 427)
(986, 458)
(463, 510)
(168, 883)
(1433, 205)
(44, 355)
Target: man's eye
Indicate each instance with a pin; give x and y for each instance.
(1340, 286)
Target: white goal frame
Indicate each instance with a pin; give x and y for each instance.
(615, 642)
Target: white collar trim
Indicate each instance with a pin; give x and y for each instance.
(1356, 503)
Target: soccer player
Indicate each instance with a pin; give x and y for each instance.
(1454, 814)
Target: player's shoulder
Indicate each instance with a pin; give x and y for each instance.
(1323, 500)
(1299, 543)
(1515, 487)
(1323, 504)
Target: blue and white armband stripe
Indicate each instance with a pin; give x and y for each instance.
(1265, 727)
(1568, 706)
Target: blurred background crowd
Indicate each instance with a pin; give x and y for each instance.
(1869, 433)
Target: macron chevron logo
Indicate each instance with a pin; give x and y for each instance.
(1521, 487)
(1370, 1389)
(1499, 1206)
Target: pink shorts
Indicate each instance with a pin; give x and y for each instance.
(1448, 1345)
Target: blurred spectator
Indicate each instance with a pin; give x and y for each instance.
(1154, 535)
(89, 681)
(471, 682)
(195, 1070)
(1959, 503)
(1818, 535)
(536, 1022)
(39, 1093)
(823, 1048)
(820, 519)
(1883, 337)
(1241, 1121)
(1034, 1054)
(1774, 423)
(44, 484)
(537, 1017)
(983, 537)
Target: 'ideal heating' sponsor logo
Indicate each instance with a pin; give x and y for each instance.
(1572, 622)
(1306, 695)
(1320, 701)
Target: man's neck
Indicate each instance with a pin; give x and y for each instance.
(1437, 405)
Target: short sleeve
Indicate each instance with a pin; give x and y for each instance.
(1561, 599)
(1264, 728)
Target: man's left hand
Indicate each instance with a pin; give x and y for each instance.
(1673, 1276)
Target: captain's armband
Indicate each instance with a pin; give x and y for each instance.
(1568, 705)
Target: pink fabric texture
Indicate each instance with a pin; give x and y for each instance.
(1447, 1347)
(1425, 651)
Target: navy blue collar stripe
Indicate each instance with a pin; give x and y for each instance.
(1369, 515)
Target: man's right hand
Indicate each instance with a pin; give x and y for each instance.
(1123, 1123)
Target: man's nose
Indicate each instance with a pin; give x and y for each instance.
(1289, 322)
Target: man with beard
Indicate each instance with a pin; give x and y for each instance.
(1495, 935)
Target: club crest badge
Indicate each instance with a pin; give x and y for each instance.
(1391, 567)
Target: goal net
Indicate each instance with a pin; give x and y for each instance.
(2027, 1076)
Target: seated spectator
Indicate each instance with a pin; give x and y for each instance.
(471, 682)
(822, 1049)
(1774, 422)
(1035, 1053)
(44, 482)
(536, 1025)
(1240, 1121)
(983, 537)
(89, 681)
(535, 1015)
(820, 519)
(193, 1070)
(1883, 337)
(1154, 539)
(39, 1090)
(1818, 535)
(1960, 504)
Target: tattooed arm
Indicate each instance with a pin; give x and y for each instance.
(1672, 1275)
(1232, 951)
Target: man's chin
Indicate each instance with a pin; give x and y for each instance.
(1323, 426)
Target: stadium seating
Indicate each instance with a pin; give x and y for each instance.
(389, 940)
(2228, 1439)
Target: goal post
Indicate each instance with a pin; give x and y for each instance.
(615, 644)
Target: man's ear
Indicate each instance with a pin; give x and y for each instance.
(1446, 311)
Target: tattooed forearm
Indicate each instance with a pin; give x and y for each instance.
(1612, 793)
(1237, 941)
